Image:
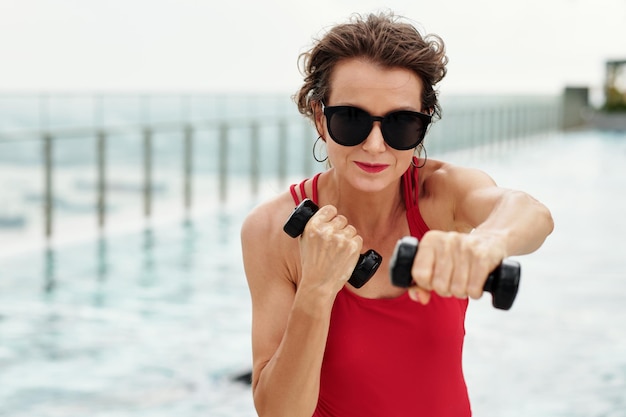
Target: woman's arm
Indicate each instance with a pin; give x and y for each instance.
(522, 222)
(291, 303)
(504, 222)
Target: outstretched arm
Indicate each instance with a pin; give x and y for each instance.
(502, 223)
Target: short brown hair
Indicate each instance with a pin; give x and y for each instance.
(381, 38)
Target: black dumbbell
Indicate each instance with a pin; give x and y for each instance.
(368, 262)
(502, 282)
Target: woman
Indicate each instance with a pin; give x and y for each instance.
(322, 347)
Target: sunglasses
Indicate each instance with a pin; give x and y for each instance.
(350, 126)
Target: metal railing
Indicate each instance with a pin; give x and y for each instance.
(480, 125)
(146, 135)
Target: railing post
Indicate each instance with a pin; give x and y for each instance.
(147, 172)
(101, 178)
(254, 158)
(282, 152)
(48, 192)
(223, 161)
(188, 167)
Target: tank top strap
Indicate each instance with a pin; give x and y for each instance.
(410, 183)
(294, 192)
(315, 192)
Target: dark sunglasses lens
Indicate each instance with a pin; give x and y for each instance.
(404, 130)
(349, 126)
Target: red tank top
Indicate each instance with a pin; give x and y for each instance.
(393, 357)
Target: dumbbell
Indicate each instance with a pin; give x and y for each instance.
(502, 282)
(368, 262)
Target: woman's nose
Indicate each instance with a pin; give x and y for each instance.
(375, 142)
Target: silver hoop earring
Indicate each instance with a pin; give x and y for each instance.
(419, 149)
(315, 154)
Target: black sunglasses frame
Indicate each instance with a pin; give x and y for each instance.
(424, 118)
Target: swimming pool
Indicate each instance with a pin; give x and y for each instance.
(156, 322)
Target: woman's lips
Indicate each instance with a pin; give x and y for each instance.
(371, 168)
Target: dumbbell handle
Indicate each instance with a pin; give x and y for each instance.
(368, 262)
(502, 282)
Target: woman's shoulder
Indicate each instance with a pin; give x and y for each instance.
(266, 248)
(444, 187)
(262, 229)
(437, 173)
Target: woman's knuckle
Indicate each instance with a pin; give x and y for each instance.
(440, 285)
(458, 289)
(475, 291)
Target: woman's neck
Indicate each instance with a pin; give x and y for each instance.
(371, 213)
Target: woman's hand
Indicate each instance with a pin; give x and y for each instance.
(455, 264)
(329, 250)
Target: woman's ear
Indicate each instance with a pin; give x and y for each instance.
(318, 117)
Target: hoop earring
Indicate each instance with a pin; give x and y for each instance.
(420, 147)
(314, 153)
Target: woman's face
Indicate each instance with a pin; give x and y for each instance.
(372, 165)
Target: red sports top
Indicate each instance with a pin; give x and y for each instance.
(393, 357)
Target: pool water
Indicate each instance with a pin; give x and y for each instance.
(151, 323)
(156, 322)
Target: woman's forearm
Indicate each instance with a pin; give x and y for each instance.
(289, 384)
(523, 222)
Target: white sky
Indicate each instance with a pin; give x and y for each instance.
(521, 46)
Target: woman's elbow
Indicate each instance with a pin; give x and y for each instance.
(541, 220)
(544, 218)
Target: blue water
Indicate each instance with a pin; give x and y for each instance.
(156, 322)
(150, 323)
